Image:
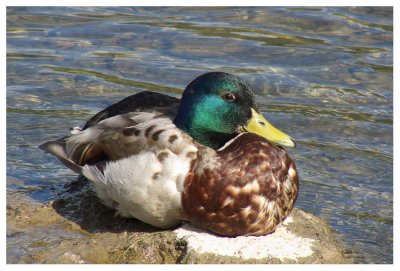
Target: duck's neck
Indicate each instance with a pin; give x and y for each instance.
(200, 116)
(208, 138)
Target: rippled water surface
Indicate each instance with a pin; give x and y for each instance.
(323, 75)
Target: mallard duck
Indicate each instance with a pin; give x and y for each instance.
(209, 158)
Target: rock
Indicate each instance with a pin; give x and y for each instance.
(77, 228)
(302, 238)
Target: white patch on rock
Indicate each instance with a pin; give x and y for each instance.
(281, 244)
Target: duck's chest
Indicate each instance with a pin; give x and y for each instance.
(250, 191)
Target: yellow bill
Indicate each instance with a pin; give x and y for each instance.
(260, 126)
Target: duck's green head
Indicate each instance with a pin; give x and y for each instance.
(217, 106)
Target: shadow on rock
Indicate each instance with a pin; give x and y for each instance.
(78, 203)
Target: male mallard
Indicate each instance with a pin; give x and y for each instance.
(209, 158)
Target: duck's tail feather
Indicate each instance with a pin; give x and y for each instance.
(57, 148)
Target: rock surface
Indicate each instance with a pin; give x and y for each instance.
(77, 228)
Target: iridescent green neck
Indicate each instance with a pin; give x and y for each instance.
(199, 117)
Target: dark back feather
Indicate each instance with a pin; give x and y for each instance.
(143, 101)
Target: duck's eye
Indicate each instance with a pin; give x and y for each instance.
(229, 97)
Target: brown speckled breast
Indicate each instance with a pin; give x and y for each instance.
(249, 190)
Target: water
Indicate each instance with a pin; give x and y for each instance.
(322, 75)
